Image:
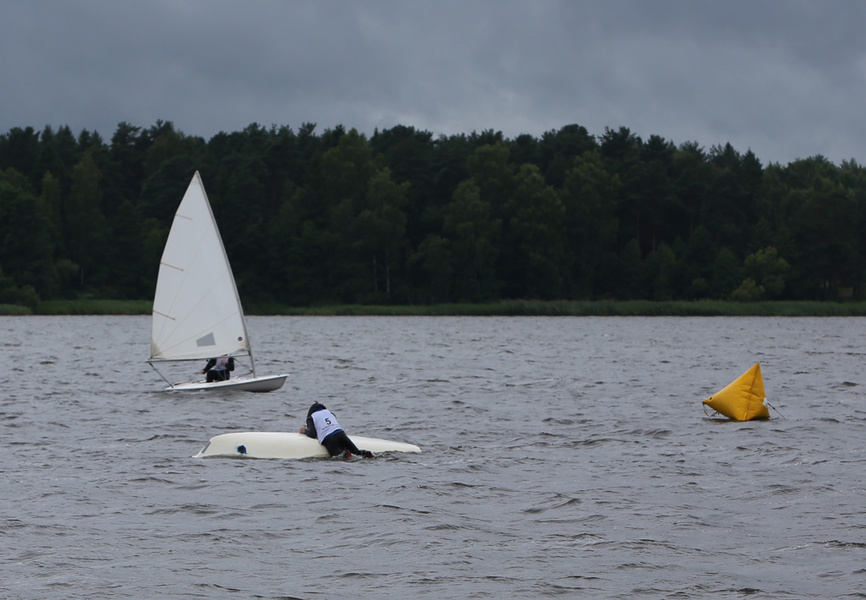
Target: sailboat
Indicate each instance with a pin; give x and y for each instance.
(197, 313)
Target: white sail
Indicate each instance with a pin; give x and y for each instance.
(197, 313)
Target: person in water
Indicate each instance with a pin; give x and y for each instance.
(219, 369)
(323, 425)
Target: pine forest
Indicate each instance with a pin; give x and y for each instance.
(403, 217)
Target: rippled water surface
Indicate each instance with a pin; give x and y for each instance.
(565, 457)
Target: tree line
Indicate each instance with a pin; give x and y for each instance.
(403, 217)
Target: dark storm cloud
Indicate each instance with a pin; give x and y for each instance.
(783, 78)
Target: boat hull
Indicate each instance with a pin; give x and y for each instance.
(274, 444)
(243, 383)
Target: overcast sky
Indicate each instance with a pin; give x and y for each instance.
(784, 78)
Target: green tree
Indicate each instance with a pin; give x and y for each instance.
(86, 225)
(559, 149)
(243, 198)
(659, 207)
(409, 153)
(726, 275)
(51, 206)
(473, 236)
(749, 291)
(625, 157)
(26, 248)
(125, 174)
(493, 174)
(768, 270)
(661, 268)
(58, 153)
(732, 198)
(379, 230)
(534, 238)
(698, 262)
(132, 260)
(525, 149)
(589, 198)
(827, 230)
(433, 258)
(630, 271)
(346, 170)
(691, 179)
(19, 150)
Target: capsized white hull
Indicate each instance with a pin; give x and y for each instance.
(246, 383)
(274, 444)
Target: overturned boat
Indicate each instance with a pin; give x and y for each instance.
(743, 399)
(278, 444)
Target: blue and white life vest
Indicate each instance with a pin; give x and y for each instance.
(326, 424)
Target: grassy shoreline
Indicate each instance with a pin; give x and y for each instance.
(634, 308)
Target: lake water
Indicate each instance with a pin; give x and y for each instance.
(562, 457)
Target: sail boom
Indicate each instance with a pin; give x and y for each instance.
(193, 359)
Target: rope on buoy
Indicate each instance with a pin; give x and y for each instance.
(774, 408)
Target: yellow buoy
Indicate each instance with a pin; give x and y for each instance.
(743, 398)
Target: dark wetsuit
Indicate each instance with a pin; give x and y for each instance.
(223, 374)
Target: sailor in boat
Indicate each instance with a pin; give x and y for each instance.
(323, 425)
(219, 369)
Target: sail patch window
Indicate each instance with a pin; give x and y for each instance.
(207, 340)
